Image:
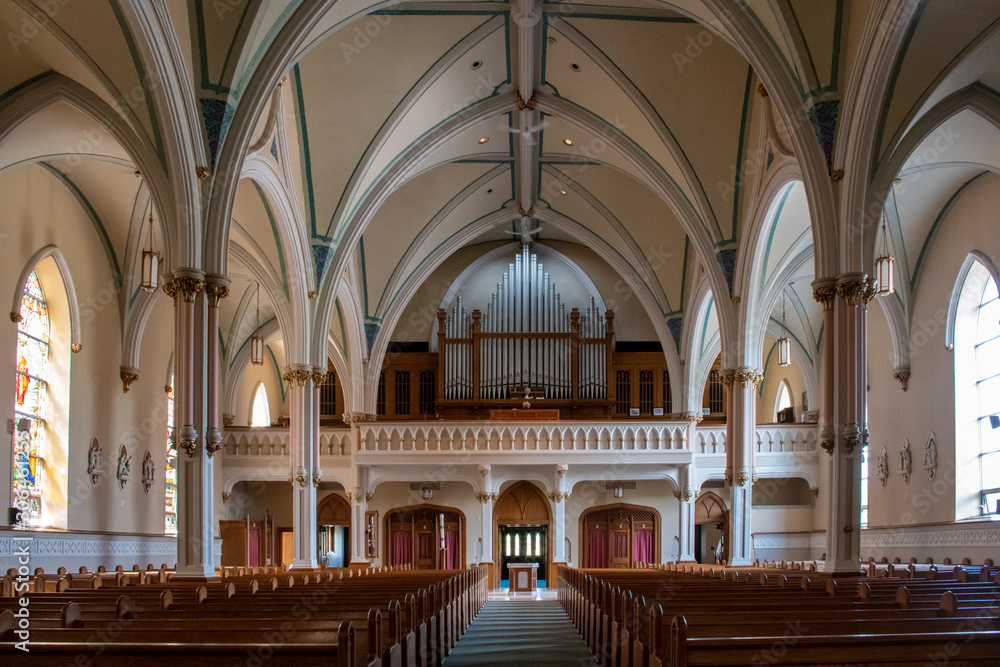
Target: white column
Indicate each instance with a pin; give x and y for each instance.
(216, 289)
(741, 441)
(359, 506)
(195, 479)
(559, 516)
(486, 498)
(844, 427)
(300, 431)
(685, 521)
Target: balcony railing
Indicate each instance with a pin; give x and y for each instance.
(273, 441)
(771, 439)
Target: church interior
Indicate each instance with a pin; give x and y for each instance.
(307, 286)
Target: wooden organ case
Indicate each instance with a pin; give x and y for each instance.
(525, 340)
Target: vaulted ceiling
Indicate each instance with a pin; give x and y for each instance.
(360, 153)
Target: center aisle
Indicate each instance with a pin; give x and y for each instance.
(515, 632)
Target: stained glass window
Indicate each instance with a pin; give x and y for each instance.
(30, 388)
(170, 474)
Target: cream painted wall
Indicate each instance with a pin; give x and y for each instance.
(256, 498)
(929, 404)
(39, 210)
(270, 374)
(773, 375)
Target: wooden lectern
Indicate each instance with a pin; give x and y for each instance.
(523, 577)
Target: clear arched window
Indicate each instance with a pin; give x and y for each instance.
(261, 414)
(977, 393)
(170, 473)
(30, 402)
(784, 400)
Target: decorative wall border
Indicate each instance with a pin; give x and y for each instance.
(49, 549)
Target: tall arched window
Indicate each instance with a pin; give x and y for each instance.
(784, 399)
(170, 473)
(30, 402)
(977, 393)
(261, 414)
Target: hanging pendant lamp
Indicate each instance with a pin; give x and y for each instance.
(256, 342)
(784, 345)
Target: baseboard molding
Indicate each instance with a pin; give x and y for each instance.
(51, 550)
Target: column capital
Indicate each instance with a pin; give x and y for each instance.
(216, 288)
(824, 291)
(748, 378)
(185, 283)
(487, 497)
(318, 378)
(726, 377)
(559, 496)
(852, 287)
(299, 373)
(351, 418)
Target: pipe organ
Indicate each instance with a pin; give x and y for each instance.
(526, 338)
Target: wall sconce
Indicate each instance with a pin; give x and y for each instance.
(256, 342)
(428, 493)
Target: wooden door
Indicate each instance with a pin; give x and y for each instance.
(619, 550)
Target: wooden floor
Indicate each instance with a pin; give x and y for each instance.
(520, 632)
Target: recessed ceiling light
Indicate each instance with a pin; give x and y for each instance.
(552, 40)
(898, 181)
(568, 142)
(483, 140)
(562, 192)
(490, 191)
(574, 67)
(476, 64)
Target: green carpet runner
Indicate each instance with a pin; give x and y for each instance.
(520, 633)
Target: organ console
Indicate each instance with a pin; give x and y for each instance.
(525, 338)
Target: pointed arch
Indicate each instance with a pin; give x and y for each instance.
(76, 335)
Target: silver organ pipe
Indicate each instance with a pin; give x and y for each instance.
(525, 302)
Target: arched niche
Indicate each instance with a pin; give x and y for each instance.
(333, 521)
(425, 537)
(619, 536)
(521, 506)
(709, 511)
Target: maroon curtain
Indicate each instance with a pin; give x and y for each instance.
(451, 550)
(401, 548)
(597, 549)
(621, 545)
(253, 555)
(642, 546)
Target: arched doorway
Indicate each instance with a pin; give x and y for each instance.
(522, 521)
(710, 527)
(333, 517)
(619, 536)
(425, 537)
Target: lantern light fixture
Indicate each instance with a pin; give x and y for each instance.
(150, 261)
(784, 345)
(256, 341)
(885, 262)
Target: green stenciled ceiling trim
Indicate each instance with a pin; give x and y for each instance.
(364, 273)
(24, 84)
(603, 212)
(770, 236)
(663, 171)
(937, 221)
(137, 61)
(472, 188)
(704, 324)
(683, 160)
(95, 219)
(427, 256)
(338, 229)
(265, 44)
(199, 16)
(277, 236)
(612, 16)
(798, 26)
(343, 330)
(890, 88)
(741, 142)
(684, 273)
(277, 371)
(304, 131)
(838, 27)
